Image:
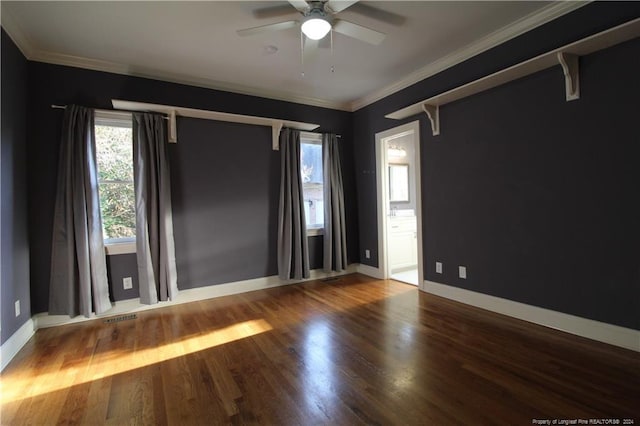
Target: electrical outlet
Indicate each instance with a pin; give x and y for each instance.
(126, 283)
(18, 307)
(462, 272)
(438, 267)
(367, 254)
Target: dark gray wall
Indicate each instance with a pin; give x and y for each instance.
(226, 213)
(224, 182)
(535, 195)
(13, 203)
(119, 267)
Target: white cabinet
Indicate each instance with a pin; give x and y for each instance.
(402, 245)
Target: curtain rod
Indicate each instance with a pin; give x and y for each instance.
(317, 133)
(124, 110)
(104, 110)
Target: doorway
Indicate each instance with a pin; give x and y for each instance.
(399, 204)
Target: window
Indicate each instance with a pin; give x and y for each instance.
(312, 181)
(114, 155)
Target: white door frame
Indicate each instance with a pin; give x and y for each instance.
(383, 195)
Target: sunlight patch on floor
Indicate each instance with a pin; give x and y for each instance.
(19, 386)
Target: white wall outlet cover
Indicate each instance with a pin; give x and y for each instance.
(462, 272)
(438, 267)
(367, 254)
(17, 308)
(127, 283)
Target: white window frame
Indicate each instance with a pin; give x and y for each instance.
(315, 139)
(123, 245)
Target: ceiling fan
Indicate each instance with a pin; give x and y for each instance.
(318, 19)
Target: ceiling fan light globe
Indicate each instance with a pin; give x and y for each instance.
(316, 28)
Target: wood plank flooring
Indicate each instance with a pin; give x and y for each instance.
(350, 351)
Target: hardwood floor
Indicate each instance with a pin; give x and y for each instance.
(350, 351)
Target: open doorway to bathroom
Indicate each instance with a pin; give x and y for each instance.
(399, 206)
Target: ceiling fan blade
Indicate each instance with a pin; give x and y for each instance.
(339, 5)
(378, 14)
(271, 27)
(358, 31)
(273, 12)
(301, 5)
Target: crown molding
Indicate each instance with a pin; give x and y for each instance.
(118, 68)
(494, 39)
(27, 48)
(521, 26)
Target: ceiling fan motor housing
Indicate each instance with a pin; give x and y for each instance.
(316, 22)
(317, 10)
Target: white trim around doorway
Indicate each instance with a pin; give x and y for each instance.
(383, 196)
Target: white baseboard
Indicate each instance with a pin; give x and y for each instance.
(44, 320)
(370, 271)
(608, 333)
(12, 346)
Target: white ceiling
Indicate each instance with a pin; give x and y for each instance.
(196, 43)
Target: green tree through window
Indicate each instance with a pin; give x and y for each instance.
(114, 155)
(312, 182)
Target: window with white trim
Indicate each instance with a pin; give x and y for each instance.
(114, 156)
(312, 181)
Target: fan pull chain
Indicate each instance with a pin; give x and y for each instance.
(333, 69)
(302, 52)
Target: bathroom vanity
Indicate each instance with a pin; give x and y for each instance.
(402, 245)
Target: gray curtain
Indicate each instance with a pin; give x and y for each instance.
(335, 242)
(293, 251)
(154, 223)
(78, 282)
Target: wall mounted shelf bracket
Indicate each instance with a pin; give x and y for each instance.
(571, 70)
(276, 126)
(433, 112)
(568, 57)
